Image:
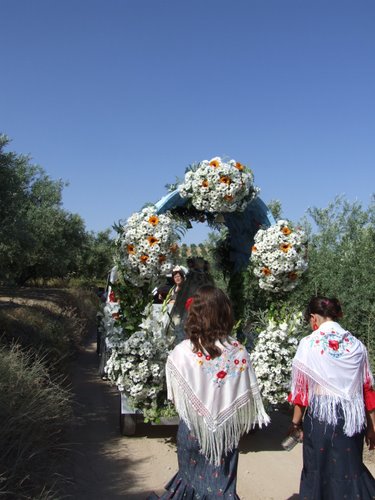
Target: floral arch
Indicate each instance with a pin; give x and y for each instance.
(242, 226)
(137, 341)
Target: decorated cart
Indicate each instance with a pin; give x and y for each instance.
(139, 334)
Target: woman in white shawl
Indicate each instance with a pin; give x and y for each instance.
(213, 386)
(334, 407)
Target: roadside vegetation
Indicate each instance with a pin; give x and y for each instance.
(50, 266)
(41, 330)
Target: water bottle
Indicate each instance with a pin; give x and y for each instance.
(294, 438)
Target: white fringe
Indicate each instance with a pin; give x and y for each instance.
(327, 405)
(219, 436)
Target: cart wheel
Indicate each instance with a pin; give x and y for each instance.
(128, 424)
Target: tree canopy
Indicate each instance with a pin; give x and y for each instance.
(38, 238)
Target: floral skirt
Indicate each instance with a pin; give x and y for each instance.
(333, 467)
(196, 478)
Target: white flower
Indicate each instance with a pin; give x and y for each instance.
(146, 245)
(219, 186)
(279, 256)
(273, 354)
(137, 363)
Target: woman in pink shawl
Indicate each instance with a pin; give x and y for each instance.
(334, 407)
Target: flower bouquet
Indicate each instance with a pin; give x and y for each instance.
(279, 256)
(219, 186)
(272, 356)
(137, 365)
(148, 246)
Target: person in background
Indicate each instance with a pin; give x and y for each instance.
(212, 384)
(334, 407)
(178, 276)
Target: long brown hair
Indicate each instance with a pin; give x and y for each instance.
(210, 318)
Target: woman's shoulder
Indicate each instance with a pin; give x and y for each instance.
(182, 347)
(232, 344)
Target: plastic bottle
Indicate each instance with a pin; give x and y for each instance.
(290, 441)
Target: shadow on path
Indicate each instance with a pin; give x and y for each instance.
(97, 465)
(268, 438)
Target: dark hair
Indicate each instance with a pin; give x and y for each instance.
(325, 307)
(210, 318)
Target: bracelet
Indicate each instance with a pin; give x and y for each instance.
(296, 426)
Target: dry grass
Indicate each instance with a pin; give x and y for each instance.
(50, 320)
(40, 329)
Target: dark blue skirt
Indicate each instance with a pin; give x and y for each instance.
(333, 467)
(196, 478)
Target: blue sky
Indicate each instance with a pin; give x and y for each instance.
(118, 97)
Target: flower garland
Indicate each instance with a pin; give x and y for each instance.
(273, 354)
(148, 246)
(137, 365)
(279, 256)
(219, 186)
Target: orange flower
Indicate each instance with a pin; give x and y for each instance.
(266, 271)
(292, 276)
(162, 258)
(228, 197)
(174, 248)
(286, 230)
(254, 248)
(152, 240)
(225, 179)
(144, 258)
(205, 183)
(131, 249)
(285, 247)
(214, 163)
(239, 166)
(154, 220)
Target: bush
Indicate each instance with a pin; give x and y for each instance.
(51, 321)
(40, 330)
(33, 411)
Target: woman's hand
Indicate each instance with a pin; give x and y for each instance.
(296, 430)
(370, 431)
(370, 438)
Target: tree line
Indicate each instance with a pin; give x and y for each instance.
(39, 239)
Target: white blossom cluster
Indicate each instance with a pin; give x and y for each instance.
(272, 357)
(148, 244)
(219, 186)
(279, 256)
(109, 327)
(137, 364)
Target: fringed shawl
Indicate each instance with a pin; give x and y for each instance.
(218, 399)
(328, 373)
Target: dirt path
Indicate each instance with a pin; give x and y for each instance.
(106, 466)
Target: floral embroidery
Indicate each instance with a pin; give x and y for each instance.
(332, 343)
(230, 364)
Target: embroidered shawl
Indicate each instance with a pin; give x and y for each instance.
(328, 371)
(218, 399)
